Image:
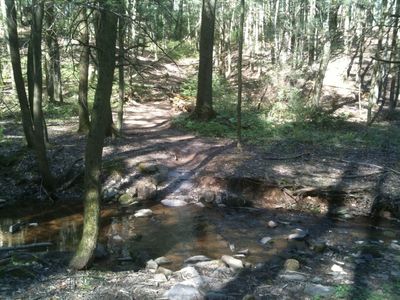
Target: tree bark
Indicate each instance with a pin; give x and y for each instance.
(121, 75)
(204, 108)
(84, 122)
(105, 43)
(239, 102)
(38, 118)
(13, 41)
(54, 87)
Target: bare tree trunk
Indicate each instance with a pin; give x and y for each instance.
(84, 123)
(38, 118)
(54, 88)
(105, 42)
(121, 75)
(204, 109)
(240, 85)
(13, 41)
(324, 60)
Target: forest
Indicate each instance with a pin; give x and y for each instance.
(199, 149)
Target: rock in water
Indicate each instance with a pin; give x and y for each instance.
(173, 202)
(299, 234)
(265, 240)
(146, 190)
(162, 260)
(272, 224)
(142, 213)
(232, 262)
(184, 292)
(292, 264)
(196, 259)
(319, 290)
(151, 265)
(126, 199)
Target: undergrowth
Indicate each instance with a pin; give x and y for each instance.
(289, 117)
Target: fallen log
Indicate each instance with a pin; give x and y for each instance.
(27, 246)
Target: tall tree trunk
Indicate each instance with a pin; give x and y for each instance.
(324, 59)
(393, 56)
(54, 88)
(38, 118)
(121, 75)
(239, 99)
(13, 41)
(204, 109)
(105, 43)
(83, 107)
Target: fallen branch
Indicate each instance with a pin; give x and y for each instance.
(27, 246)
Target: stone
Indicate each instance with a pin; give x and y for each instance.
(265, 240)
(151, 265)
(207, 196)
(165, 271)
(272, 224)
(126, 199)
(394, 246)
(195, 259)
(210, 265)
(319, 290)
(143, 213)
(159, 277)
(338, 269)
(292, 264)
(146, 190)
(147, 167)
(244, 251)
(132, 190)
(173, 202)
(293, 277)
(161, 176)
(184, 292)
(299, 234)
(162, 261)
(232, 262)
(188, 272)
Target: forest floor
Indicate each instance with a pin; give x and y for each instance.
(340, 182)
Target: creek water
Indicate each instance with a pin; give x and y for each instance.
(181, 232)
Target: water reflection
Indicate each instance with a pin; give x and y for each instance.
(8, 239)
(176, 233)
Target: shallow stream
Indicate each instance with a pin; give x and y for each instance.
(181, 232)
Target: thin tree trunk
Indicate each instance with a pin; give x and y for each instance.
(84, 123)
(13, 41)
(239, 101)
(38, 118)
(121, 75)
(54, 88)
(105, 43)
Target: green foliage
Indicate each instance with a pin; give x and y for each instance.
(61, 111)
(178, 49)
(290, 118)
